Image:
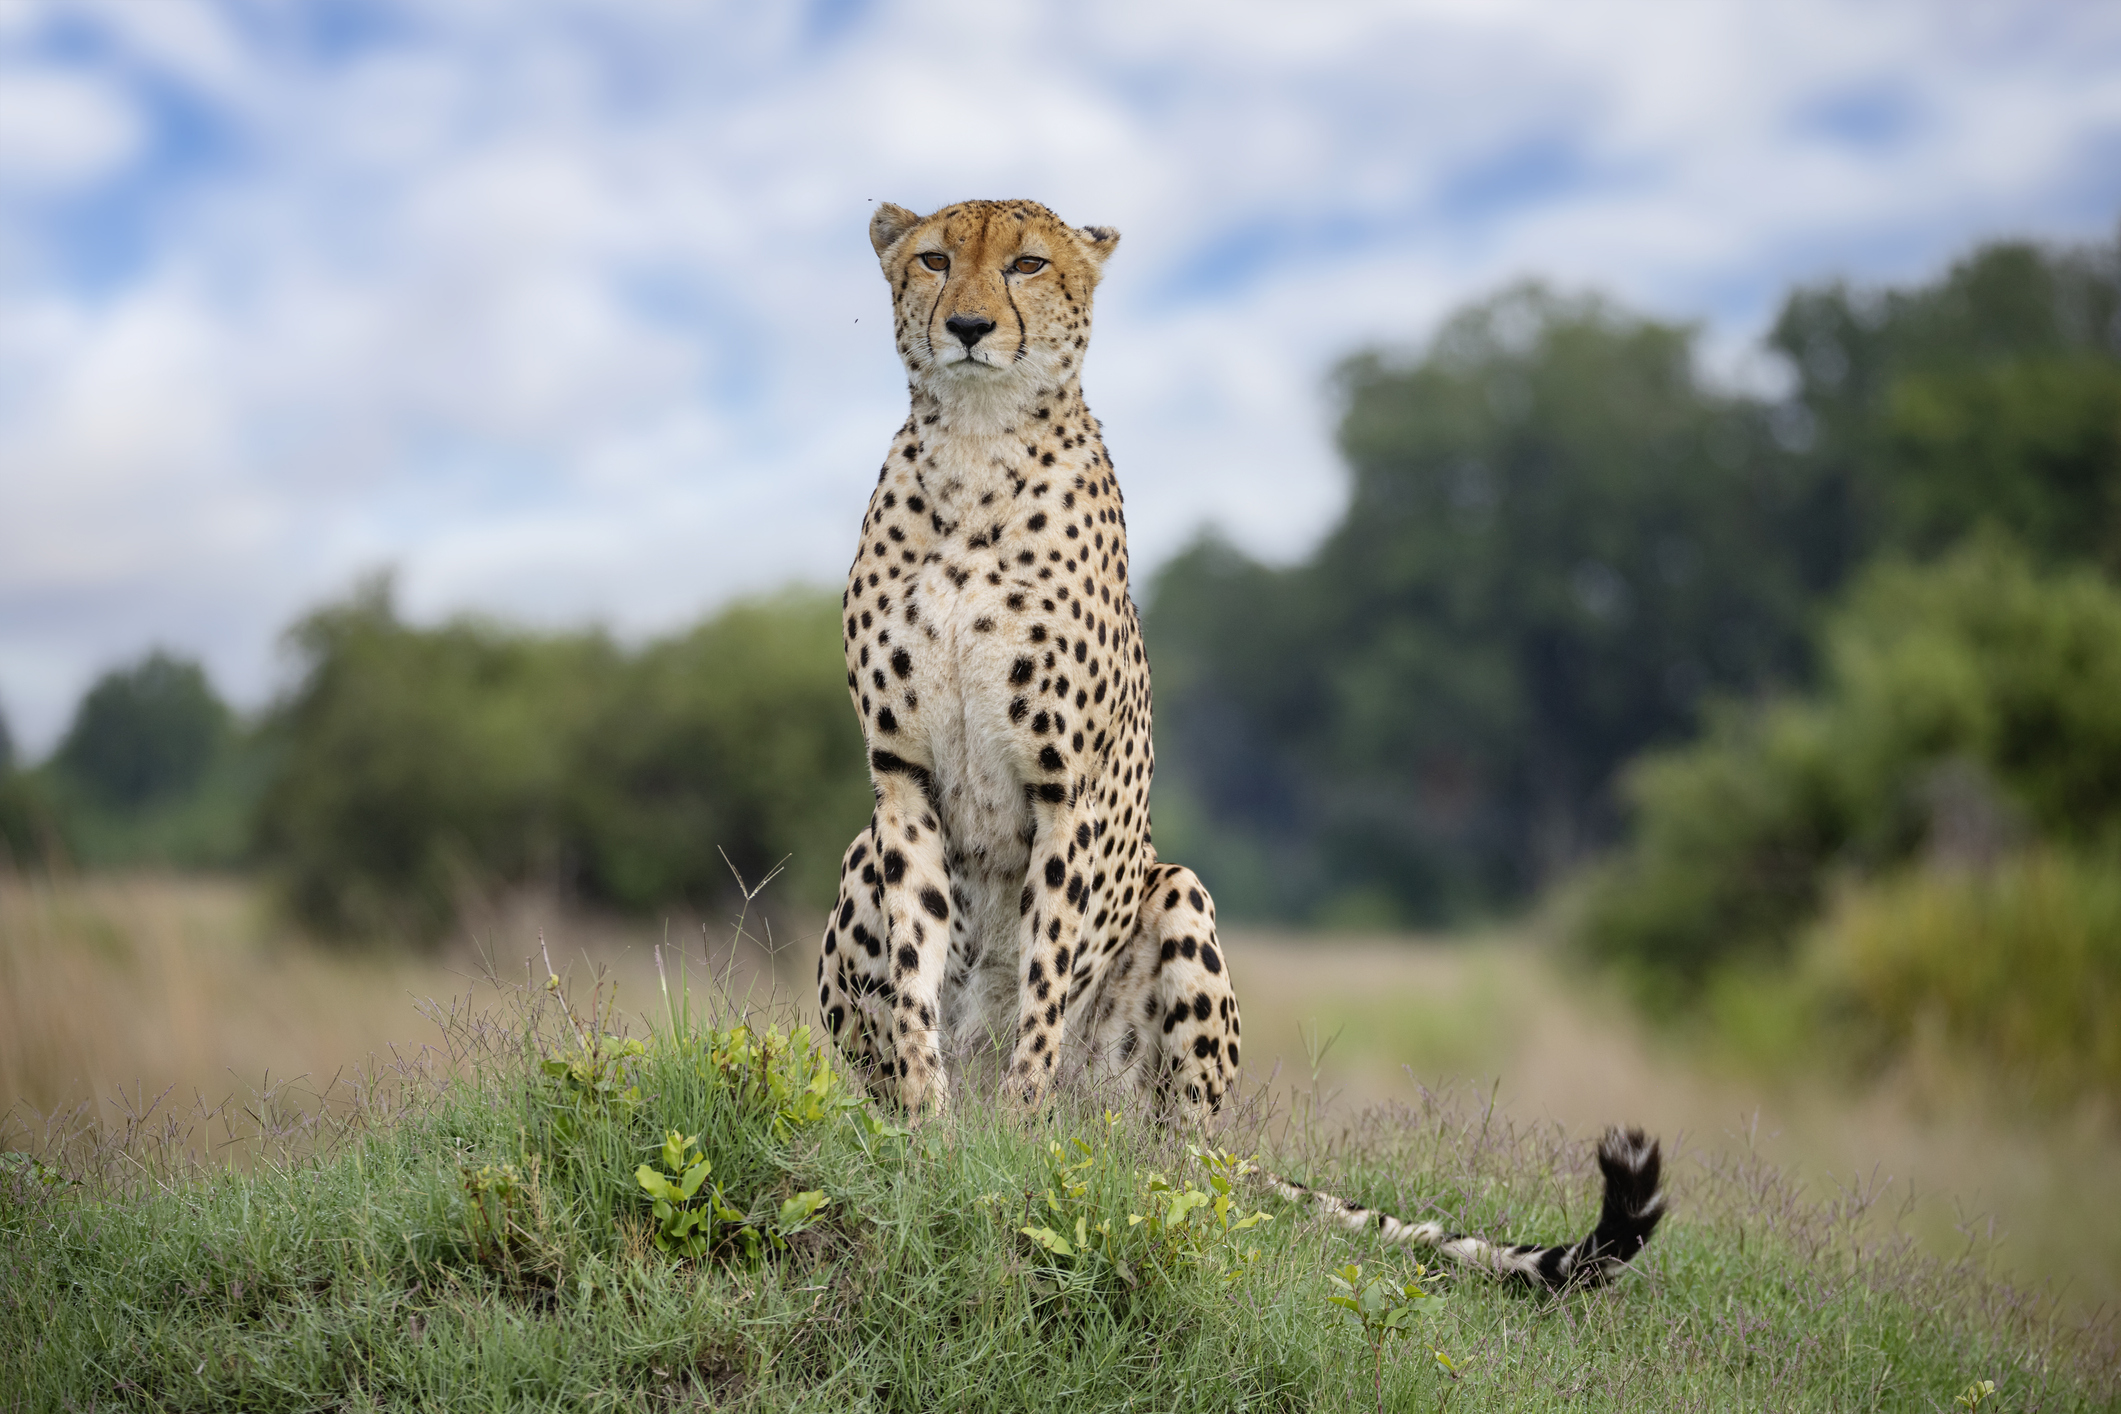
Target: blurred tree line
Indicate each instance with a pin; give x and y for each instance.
(423, 761)
(410, 767)
(153, 769)
(1564, 548)
(1583, 604)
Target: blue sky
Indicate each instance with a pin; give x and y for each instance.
(565, 310)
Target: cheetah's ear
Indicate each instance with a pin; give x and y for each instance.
(1099, 241)
(889, 223)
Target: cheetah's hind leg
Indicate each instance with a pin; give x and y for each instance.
(1167, 1021)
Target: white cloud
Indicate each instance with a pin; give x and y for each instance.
(566, 307)
(59, 129)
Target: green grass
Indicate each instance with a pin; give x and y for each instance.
(471, 1233)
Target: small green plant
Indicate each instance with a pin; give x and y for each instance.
(493, 1196)
(1190, 1226)
(591, 1078)
(684, 1215)
(689, 1212)
(594, 1070)
(789, 1072)
(595, 1074)
(29, 1169)
(1976, 1394)
(757, 1087)
(786, 1073)
(1383, 1311)
(1200, 1226)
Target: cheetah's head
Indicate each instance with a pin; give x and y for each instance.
(991, 298)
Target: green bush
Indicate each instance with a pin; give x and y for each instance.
(2014, 971)
(1732, 838)
(412, 764)
(1966, 704)
(210, 825)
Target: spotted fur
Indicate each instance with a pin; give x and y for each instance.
(1006, 897)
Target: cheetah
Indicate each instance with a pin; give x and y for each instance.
(1006, 894)
(1005, 900)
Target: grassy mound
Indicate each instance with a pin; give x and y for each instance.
(559, 1215)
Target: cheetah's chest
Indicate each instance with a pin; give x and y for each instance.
(985, 610)
(960, 727)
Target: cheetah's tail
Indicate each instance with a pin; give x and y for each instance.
(1633, 1204)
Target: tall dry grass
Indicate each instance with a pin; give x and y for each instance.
(191, 990)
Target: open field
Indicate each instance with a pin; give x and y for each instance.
(154, 984)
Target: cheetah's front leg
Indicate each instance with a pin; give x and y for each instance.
(915, 882)
(1057, 893)
(854, 974)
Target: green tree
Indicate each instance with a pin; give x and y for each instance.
(2031, 446)
(144, 734)
(1558, 540)
(1990, 396)
(414, 763)
(1971, 425)
(736, 738)
(1966, 704)
(24, 820)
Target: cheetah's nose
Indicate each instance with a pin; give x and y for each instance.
(969, 328)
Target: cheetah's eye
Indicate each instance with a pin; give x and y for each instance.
(936, 262)
(1027, 265)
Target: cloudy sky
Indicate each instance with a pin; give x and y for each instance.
(565, 310)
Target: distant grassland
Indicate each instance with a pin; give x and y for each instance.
(158, 984)
(152, 982)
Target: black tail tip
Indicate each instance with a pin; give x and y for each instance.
(1632, 1163)
(1633, 1167)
